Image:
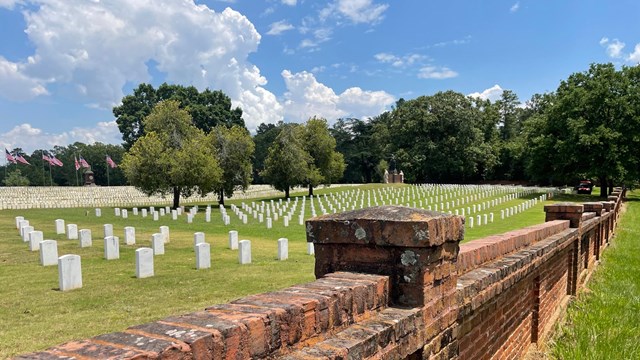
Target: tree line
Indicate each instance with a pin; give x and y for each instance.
(180, 141)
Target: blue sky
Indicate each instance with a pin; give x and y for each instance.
(65, 63)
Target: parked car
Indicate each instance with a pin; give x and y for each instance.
(585, 187)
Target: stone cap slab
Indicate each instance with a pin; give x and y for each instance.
(564, 207)
(391, 226)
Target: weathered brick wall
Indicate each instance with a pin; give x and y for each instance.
(393, 283)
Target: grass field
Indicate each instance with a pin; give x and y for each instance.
(35, 315)
(604, 321)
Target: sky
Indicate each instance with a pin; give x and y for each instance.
(64, 64)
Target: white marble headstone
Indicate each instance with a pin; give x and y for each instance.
(203, 256)
(310, 249)
(35, 237)
(72, 232)
(144, 262)
(244, 252)
(157, 244)
(129, 235)
(111, 248)
(233, 240)
(283, 249)
(85, 238)
(69, 272)
(48, 253)
(198, 238)
(25, 232)
(60, 226)
(98, 212)
(108, 230)
(144, 213)
(164, 230)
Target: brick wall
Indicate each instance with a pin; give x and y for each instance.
(393, 283)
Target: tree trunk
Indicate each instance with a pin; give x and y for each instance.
(603, 186)
(310, 190)
(286, 193)
(176, 197)
(221, 197)
(610, 186)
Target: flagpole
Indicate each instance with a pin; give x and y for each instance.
(50, 177)
(108, 182)
(77, 181)
(44, 183)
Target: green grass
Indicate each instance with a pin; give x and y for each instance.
(604, 321)
(34, 315)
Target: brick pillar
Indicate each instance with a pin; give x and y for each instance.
(597, 208)
(609, 206)
(573, 213)
(417, 249)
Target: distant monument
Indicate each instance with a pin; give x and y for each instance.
(394, 177)
(89, 180)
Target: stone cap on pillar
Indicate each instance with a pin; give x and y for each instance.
(565, 211)
(395, 226)
(612, 198)
(608, 205)
(595, 207)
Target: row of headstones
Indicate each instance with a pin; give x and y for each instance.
(244, 247)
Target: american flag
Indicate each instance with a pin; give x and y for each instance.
(84, 163)
(21, 159)
(9, 156)
(77, 163)
(55, 160)
(46, 157)
(111, 163)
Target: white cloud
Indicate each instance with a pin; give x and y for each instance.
(279, 27)
(515, 7)
(614, 47)
(9, 4)
(634, 57)
(493, 93)
(604, 40)
(15, 85)
(29, 138)
(357, 11)
(98, 47)
(400, 61)
(433, 72)
(290, 2)
(306, 97)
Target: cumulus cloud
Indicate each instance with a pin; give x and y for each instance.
(493, 93)
(290, 2)
(98, 47)
(515, 7)
(279, 27)
(400, 61)
(615, 49)
(634, 57)
(306, 97)
(434, 72)
(29, 138)
(9, 3)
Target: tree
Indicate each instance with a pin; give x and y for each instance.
(286, 164)
(233, 148)
(354, 139)
(172, 157)
(207, 109)
(15, 178)
(325, 164)
(265, 136)
(591, 127)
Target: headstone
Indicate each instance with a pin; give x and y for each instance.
(48, 253)
(174, 215)
(144, 213)
(283, 249)
(144, 263)
(125, 214)
(198, 238)
(310, 249)
(161, 212)
(286, 221)
(189, 218)
(35, 237)
(135, 211)
(18, 219)
(269, 225)
(157, 244)
(117, 211)
(207, 217)
(156, 217)
(69, 272)
(111, 248)
(130, 235)
(85, 238)
(25, 232)
(60, 227)
(108, 230)
(21, 226)
(98, 212)
(179, 210)
(244, 252)
(152, 209)
(203, 256)
(72, 232)
(164, 230)
(233, 240)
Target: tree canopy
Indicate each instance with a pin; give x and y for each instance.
(287, 163)
(173, 156)
(233, 147)
(207, 109)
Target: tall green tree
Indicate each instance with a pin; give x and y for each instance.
(172, 157)
(207, 108)
(354, 139)
(265, 136)
(326, 165)
(15, 178)
(234, 149)
(287, 163)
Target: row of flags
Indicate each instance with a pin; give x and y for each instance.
(53, 161)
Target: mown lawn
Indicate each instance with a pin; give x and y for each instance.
(604, 321)
(34, 315)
